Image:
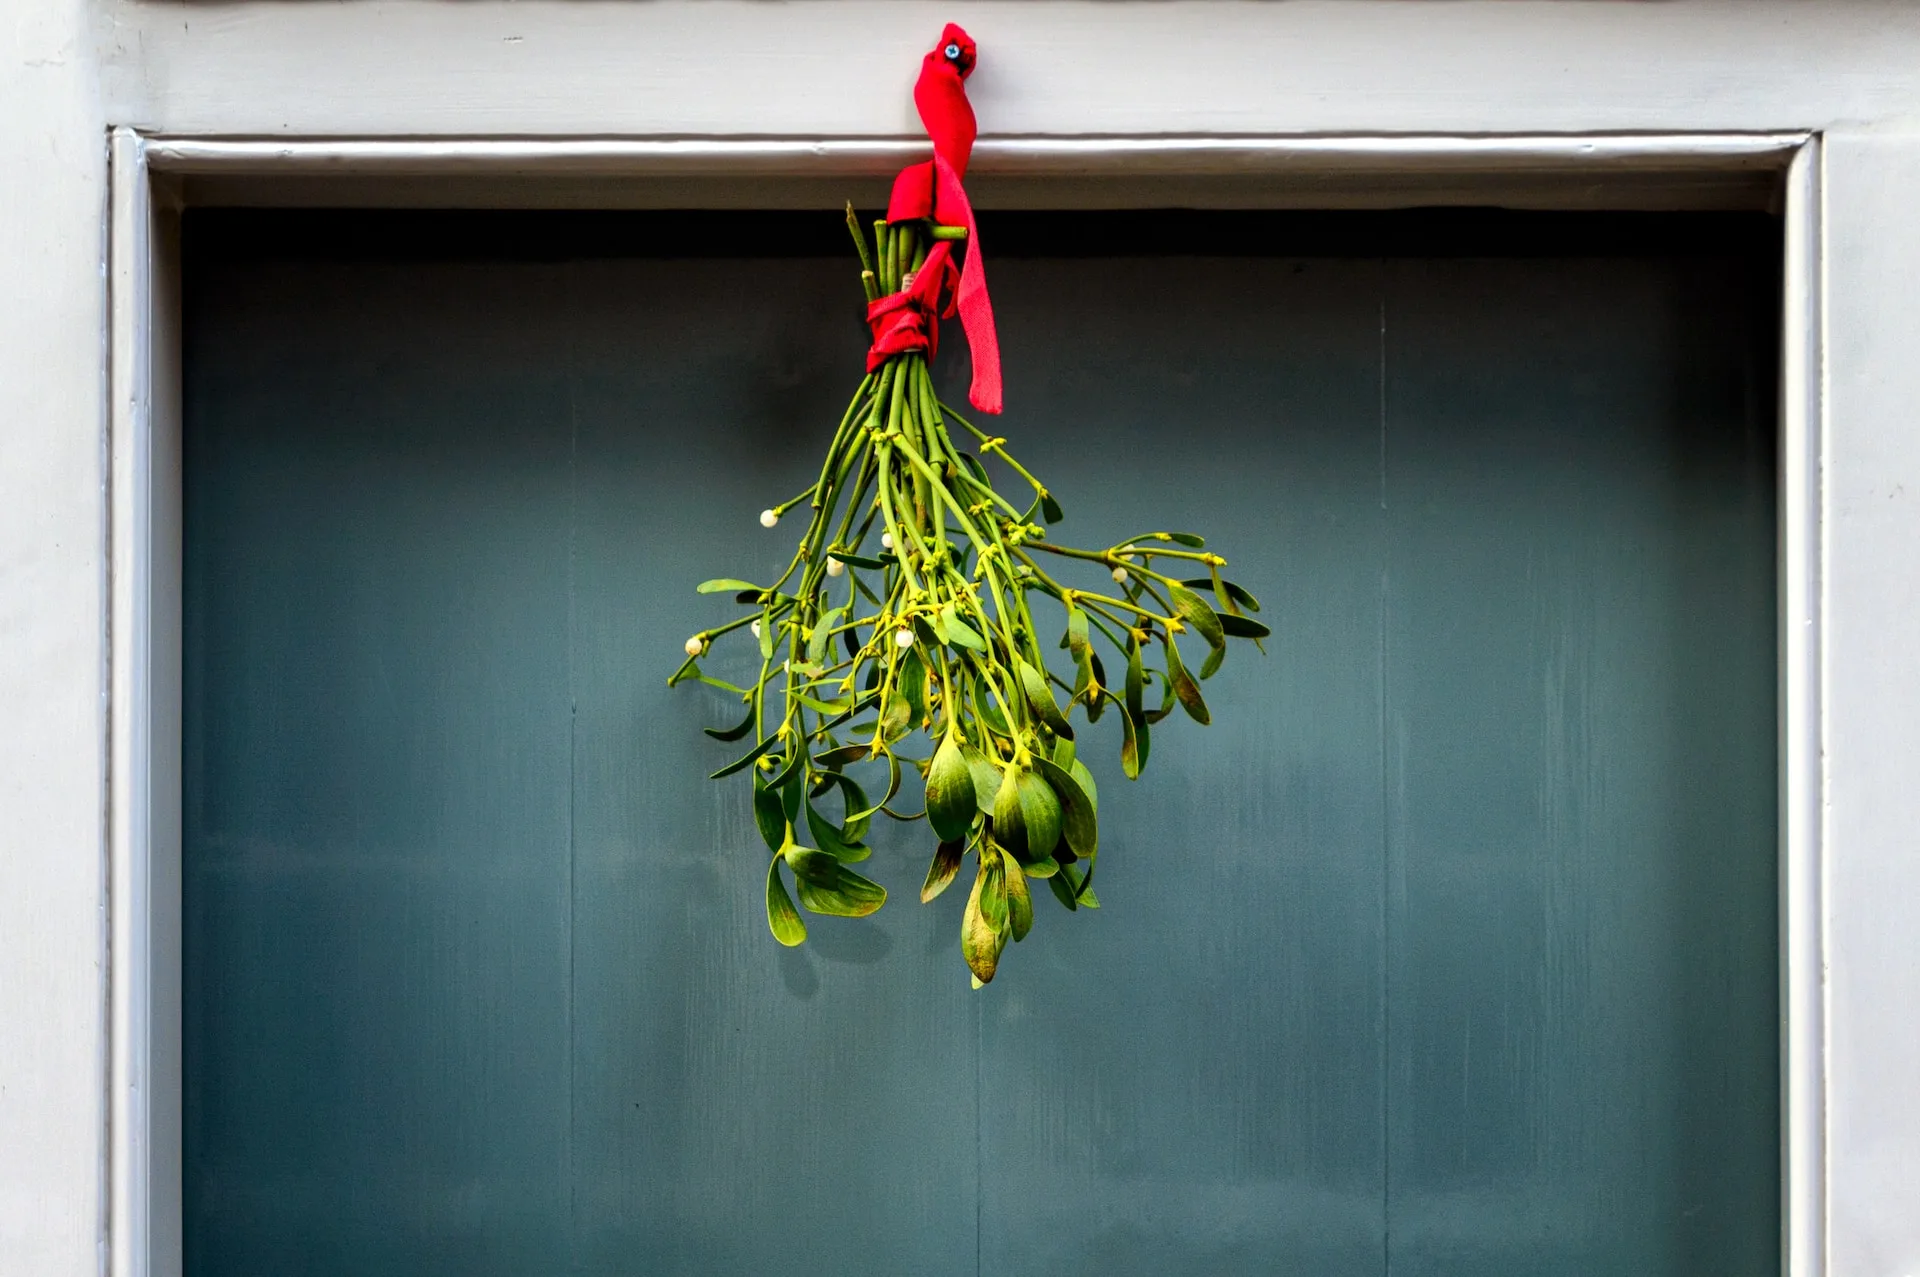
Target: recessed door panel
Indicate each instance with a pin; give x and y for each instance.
(1448, 949)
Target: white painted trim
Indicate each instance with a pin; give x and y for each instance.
(143, 821)
(145, 519)
(1118, 156)
(1803, 965)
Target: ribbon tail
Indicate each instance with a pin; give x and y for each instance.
(972, 303)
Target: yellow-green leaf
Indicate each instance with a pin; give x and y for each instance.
(1019, 902)
(782, 917)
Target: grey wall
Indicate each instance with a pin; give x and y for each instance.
(1448, 949)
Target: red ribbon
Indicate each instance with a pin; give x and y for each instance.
(932, 190)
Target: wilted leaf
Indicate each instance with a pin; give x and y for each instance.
(1019, 902)
(782, 918)
(945, 865)
(979, 938)
(1184, 686)
(951, 801)
(1133, 746)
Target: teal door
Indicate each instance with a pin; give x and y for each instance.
(1448, 950)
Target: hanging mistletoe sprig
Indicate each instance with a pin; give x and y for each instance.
(909, 607)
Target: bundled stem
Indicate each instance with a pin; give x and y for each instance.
(909, 606)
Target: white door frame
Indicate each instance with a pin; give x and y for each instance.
(150, 176)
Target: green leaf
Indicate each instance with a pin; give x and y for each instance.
(1234, 592)
(1192, 540)
(1076, 636)
(913, 684)
(951, 800)
(979, 938)
(1040, 815)
(832, 841)
(782, 918)
(1040, 697)
(896, 717)
(770, 814)
(974, 468)
(1062, 890)
(822, 631)
(959, 633)
(746, 758)
(859, 810)
(1051, 508)
(1211, 666)
(1046, 866)
(827, 886)
(944, 867)
(1078, 824)
(1087, 787)
(1243, 627)
(1063, 751)
(1009, 818)
(856, 560)
(993, 897)
(732, 733)
(721, 583)
(986, 779)
(1019, 902)
(1193, 609)
(766, 634)
(1184, 686)
(1136, 682)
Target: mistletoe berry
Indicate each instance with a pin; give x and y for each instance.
(769, 518)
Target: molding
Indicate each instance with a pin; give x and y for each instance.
(1803, 896)
(143, 1140)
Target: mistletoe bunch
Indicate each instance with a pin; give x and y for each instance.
(906, 635)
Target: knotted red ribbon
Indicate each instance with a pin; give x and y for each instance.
(932, 190)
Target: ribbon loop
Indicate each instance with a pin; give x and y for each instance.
(909, 320)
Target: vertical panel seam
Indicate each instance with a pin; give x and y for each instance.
(1386, 829)
(573, 761)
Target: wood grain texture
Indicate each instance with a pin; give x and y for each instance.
(1448, 949)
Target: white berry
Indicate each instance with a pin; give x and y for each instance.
(835, 567)
(768, 518)
(1120, 575)
(695, 646)
(755, 627)
(886, 540)
(903, 638)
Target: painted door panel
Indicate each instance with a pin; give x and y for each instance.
(1449, 948)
